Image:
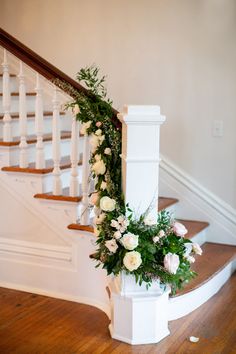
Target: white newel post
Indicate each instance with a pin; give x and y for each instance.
(7, 134)
(139, 316)
(74, 180)
(56, 144)
(85, 213)
(23, 119)
(40, 158)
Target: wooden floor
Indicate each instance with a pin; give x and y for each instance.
(33, 324)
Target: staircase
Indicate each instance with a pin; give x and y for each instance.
(44, 167)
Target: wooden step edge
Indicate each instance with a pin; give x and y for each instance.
(165, 202)
(11, 75)
(62, 198)
(15, 115)
(79, 227)
(17, 94)
(33, 140)
(33, 170)
(206, 254)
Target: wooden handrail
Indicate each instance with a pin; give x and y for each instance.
(42, 66)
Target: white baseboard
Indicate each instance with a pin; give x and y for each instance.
(196, 202)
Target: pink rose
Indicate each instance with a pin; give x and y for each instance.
(98, 124)
(179, 229)
(94, 198)
(171, 262)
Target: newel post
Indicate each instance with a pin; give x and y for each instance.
(140, 157)
(138, 315)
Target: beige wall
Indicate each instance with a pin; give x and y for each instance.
(180, 54)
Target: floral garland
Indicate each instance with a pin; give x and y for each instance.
(148, 249)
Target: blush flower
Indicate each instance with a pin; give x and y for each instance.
(130, 241)
(111, 245)
(99, 167)
(179, 229)
(171, 262)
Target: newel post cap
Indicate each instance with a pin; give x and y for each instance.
(140, 114)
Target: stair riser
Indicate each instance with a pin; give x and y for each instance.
(14, 84)
(183, 305)
(65, 125)
(200, 238)
(30, 104)
(9, 156)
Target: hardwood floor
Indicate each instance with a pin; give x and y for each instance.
(33, 324)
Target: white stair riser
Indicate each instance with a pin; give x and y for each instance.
(14, 84)
(30, 105)
(183, 305)
(65, 125)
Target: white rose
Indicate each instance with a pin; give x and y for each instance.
(191, 259)
(107, 204)
(132, 260)
(115, 224)
(161, 233)
(103, 185)
(156, 239)
(97, 157)
(99, 167)
(150, 220)
(94, 142)
(130, 241)
(107, 151)
(94, 198)
(84, 127)
(76, 109)
(98, 132)
(197, 249)
(99, 219)
(117, 235)
(111, 245)
(179, 229)
(171, 262)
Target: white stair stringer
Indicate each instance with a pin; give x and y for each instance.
(182, 305)
(64, 272)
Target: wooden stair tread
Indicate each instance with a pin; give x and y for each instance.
(193, 227)
(17, 94)
(214, 258)
(11, 75)
(32, 139)
(15, 115)
(64, 164)
(65, 196)
(164, 202)
(75, 226)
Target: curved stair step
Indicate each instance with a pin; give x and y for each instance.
(65, 197)
(214, 268)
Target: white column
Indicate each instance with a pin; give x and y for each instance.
(74, 180)
(56, 144)
(140, 157)
(85, 214)
(40, 158)
(7, 134)
(139, 316)
(22, 119)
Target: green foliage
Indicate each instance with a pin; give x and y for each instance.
(154, 241)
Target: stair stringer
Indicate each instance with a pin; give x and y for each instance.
(198, 203)
(61, 268)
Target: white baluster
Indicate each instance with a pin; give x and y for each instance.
(7, 134)
(56, 141)
(84, 219)
(22, 119)
(40, 158)
(74, 181)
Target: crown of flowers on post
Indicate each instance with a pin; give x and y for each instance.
(149, 249)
